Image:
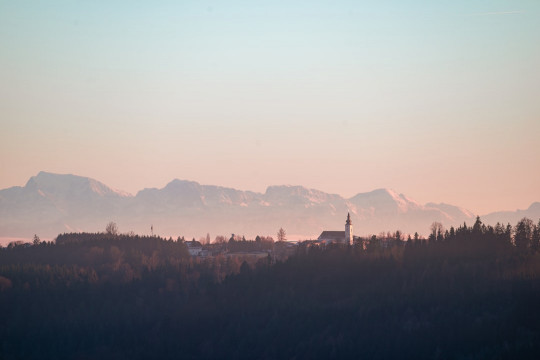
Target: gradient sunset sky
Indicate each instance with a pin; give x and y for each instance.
(436, 100)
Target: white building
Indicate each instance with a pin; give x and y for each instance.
(194, 248)
(339, 237)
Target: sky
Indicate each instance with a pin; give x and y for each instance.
(436, 100)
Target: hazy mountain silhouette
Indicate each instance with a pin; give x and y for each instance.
(512, 217)
(50, 204)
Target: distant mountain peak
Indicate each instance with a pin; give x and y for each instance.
(178, 183)
(448, 208)
(61, 183)
(534, 206)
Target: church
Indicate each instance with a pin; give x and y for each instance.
(339, 237)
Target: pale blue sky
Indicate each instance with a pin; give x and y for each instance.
(438, 101)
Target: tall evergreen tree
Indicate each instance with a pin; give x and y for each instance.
(523, 233)
(536, 237)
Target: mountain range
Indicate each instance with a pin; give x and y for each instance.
(50, 204)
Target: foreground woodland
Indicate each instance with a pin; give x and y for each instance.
(466, 293)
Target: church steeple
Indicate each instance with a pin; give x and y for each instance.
(349, 237)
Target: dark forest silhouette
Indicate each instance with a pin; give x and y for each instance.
(469, 293)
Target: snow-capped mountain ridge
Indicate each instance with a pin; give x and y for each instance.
(51, 203)
(64, 183)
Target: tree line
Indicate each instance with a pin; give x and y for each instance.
(471, 292)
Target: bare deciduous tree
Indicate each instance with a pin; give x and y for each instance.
(111, 228)
(281, 235)
(436, 228)
(220, 239)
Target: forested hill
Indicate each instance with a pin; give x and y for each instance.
(472, 293)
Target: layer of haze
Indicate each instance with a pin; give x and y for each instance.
(438, 101)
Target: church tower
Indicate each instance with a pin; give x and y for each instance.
(349, 238)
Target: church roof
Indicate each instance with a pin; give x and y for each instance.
(193, 243)
(332, 235)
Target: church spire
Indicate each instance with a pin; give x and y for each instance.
(349, 237)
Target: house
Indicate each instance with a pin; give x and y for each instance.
(194, 248)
